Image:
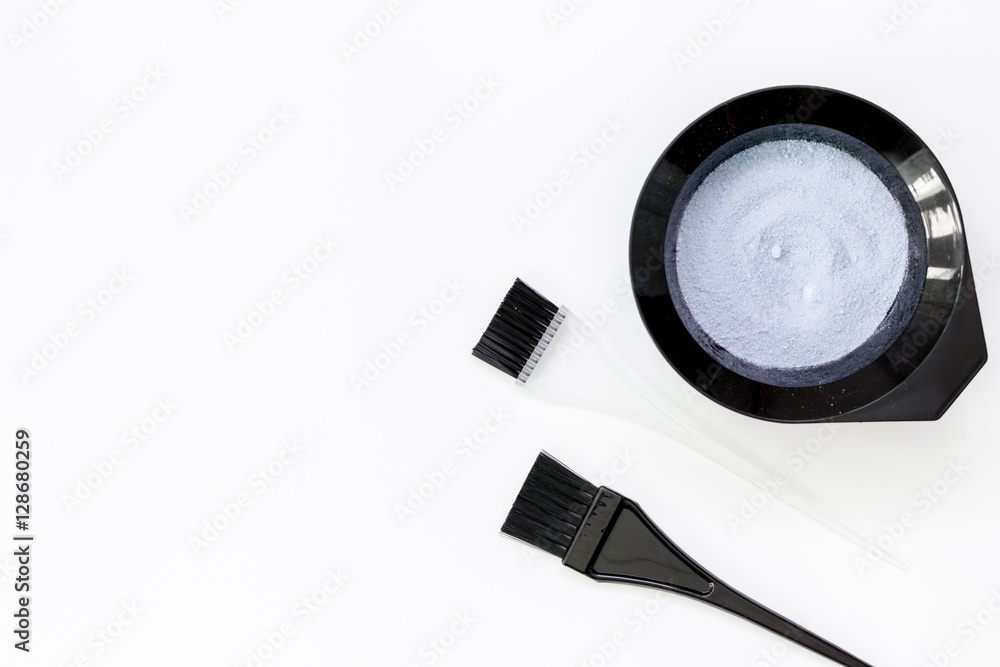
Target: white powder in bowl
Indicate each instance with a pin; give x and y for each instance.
(790, 254)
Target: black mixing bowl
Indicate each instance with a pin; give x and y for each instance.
(930, 343)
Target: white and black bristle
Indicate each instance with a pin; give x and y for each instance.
(550, 507)
(516, 329)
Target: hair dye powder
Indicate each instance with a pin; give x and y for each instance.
(790, 254)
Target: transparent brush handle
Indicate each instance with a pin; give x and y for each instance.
(577, 369)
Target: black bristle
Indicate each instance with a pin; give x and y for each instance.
(550, 507)
(516, 329)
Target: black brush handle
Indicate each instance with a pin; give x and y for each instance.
(736, 603)
(618, 542)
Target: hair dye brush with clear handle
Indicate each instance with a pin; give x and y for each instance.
(607, 537)
(542, 347)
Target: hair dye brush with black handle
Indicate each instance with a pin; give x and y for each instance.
(607, 537)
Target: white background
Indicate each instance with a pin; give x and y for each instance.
(192, 278)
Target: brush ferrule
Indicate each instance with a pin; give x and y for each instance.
(617, 542)
(542, 345)
(587, 541)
